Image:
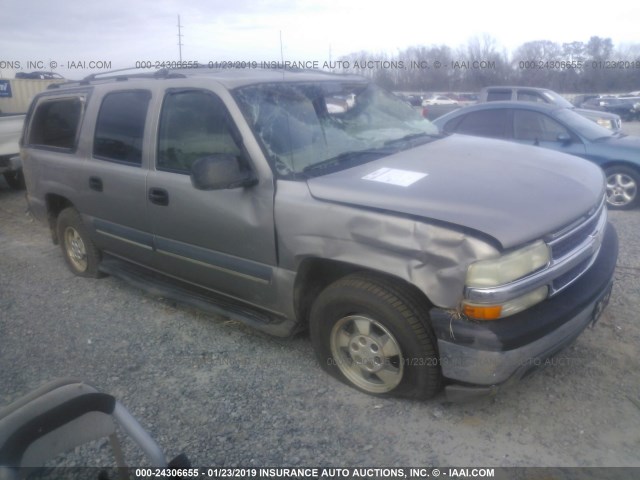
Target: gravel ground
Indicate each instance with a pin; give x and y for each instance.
(229, 396)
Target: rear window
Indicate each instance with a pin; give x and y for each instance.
(55, 123)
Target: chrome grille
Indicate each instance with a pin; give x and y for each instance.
(574, 249)
(618, 123)
(567, 242)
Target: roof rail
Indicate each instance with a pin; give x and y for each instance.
(118, 76)
(161, 73)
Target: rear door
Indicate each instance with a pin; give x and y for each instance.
(114, 178)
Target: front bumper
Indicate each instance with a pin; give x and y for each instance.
(480, 357)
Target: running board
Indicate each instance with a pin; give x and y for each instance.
(160, 285)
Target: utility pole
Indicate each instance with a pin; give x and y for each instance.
(179, 38)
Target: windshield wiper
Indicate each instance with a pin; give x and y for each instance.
(360, 156)
(413, 136)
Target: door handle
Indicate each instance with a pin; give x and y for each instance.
(159, 196)
(95, 183)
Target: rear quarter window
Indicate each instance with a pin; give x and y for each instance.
(532, 97)
(55, 123)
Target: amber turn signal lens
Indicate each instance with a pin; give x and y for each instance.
(482, 312)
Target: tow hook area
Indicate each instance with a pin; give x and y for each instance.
(601, 304)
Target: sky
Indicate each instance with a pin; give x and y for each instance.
(69, 35)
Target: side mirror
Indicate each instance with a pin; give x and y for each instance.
(219, 172)
(564, 138)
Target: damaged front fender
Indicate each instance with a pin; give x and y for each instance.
(433, 257)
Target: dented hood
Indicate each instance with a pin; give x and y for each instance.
(511, 192)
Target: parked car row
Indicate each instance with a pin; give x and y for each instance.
(422, 100)
(546, 96)
(628, 108)
(606, 111)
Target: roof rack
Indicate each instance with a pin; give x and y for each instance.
(125, 74)
(118, 76)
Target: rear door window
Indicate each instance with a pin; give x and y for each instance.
(486, 123)
(498, 95)
(120, 126)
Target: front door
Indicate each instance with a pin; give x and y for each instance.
(223, 240)
(536, 128)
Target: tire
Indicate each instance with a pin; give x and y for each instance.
(79, 251)
(15, 179)
(622, 187)
(374, 335)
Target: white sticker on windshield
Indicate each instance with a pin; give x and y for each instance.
(394, 176)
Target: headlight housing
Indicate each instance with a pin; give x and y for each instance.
(605, 122)
(501, 271)
(509, 267)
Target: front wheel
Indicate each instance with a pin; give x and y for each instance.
(622, 187)
(80, 253)
(372, 333)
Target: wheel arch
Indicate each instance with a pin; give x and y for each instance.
(315, 274)
(620, 163)
(55, 204)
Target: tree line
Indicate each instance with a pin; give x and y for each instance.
(578, 67)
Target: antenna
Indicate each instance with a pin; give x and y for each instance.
(179, 38)
(282, 60)
(281, 51)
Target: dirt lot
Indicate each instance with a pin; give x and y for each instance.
(227, 395)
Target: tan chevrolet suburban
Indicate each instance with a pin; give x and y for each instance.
(415, 261)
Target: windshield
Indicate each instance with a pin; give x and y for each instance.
(307, 127)
(582, 126)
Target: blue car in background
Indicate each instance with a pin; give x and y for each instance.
(561, 129)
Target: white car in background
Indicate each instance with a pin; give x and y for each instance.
(438, 100)
(10, 165)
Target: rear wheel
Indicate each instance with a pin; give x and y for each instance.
(79, 251)
(622, 187)
(373, 334)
